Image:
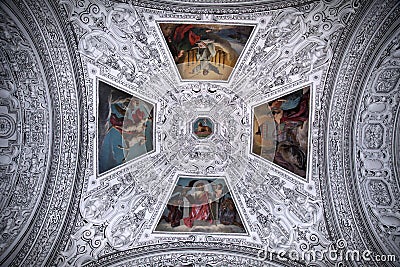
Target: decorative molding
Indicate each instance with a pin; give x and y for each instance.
(42, 92)
(360, 162)
(56, 210)
(375, 144)
(25, 131)
(119, 210)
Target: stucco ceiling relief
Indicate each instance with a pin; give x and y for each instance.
(191, 133)
(38, 95)
(123, 45)
(375, 151)
(361, 148)
(24, 135)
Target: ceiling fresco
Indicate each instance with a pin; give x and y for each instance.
(125, 127)
(203, 205)
(280, 131)
(205, 51)
(199, 133)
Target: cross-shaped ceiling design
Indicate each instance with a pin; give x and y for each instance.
(194, 133)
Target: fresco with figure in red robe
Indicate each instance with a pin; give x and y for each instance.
(205, 51)
(201, 204)
(280, 131)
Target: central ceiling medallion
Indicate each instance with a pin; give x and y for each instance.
(205, 51)
(203, 127)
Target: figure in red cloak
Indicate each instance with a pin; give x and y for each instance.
(184, 38)
(200, 206)
(120, 123)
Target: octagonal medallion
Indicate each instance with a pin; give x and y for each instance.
(203, 127)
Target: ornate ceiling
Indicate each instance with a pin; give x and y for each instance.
(114, 115)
